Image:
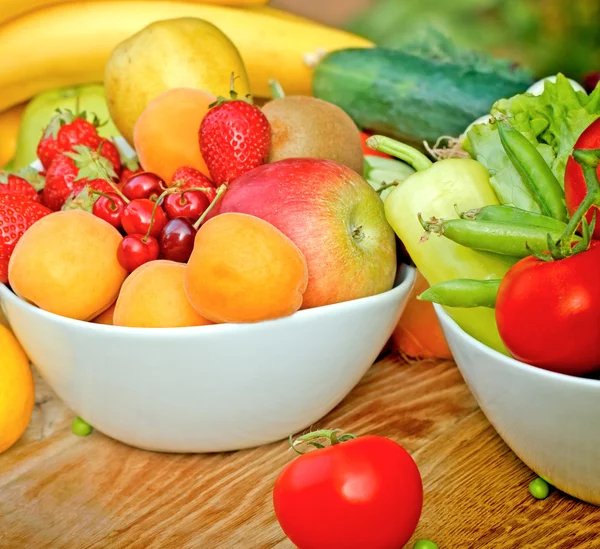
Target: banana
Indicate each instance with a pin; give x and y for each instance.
(69, 44)
(9, 131)
(9, 9)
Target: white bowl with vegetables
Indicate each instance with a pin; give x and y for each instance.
(505, 239)
(551, 421)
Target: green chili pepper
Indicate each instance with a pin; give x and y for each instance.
(514, 216)
(534, 171)
(463, 292)
(500, 238)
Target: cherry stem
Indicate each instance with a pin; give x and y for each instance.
(156, 203)
(220, 192)
(113, 204)
(589, 160)
(326, 435)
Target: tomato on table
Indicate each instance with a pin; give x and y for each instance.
(359, 493)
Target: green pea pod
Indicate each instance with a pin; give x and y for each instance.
(514, 216)
(463, 292)
(500, 238)
(534, 171)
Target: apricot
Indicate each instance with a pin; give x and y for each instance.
(66, 263)
(243, 269)
(166, 133)
(153, 297)
(106, 317)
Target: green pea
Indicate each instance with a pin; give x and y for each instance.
(425, 544)
(81, 428)
(463, 292)
(514, 216)
(539, 488)
(535, 173)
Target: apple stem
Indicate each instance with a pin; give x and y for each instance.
(220, 192)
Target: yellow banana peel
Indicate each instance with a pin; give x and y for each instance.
(10, 9)
(10, 120)
(69, 44)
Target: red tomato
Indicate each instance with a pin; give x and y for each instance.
(548, 312)
(575, 188)
(365, 493)
(368, 151)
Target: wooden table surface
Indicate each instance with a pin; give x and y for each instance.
(59, 491)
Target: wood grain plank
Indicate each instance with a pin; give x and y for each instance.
(58, 491)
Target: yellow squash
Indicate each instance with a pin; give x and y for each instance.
(77, 39)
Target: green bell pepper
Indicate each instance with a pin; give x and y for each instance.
(438, 190)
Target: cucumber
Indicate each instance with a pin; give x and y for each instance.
(416, 95)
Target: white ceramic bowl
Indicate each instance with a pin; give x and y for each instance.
(210, 388)
(550, 421)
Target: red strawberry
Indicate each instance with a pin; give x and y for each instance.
(130, 166)
(109, 151)
(17, 214)
(14, 184)
(187, 178)
(70, 169)
(64, 131)
(82, 197)
(235, 137)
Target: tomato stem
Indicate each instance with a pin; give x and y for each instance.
(220, 191)
(327, 435)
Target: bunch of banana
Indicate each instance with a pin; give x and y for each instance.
(69, 44)
(9, 9)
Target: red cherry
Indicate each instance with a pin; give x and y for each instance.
(135, 250)
(143, 185)
(137, 217)
(177, 240)
(190, 204)
(109, 207)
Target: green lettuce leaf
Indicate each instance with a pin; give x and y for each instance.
(552, 121)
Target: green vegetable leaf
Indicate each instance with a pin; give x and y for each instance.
(552, 121)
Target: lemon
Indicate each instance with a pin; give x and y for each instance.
(16, 389)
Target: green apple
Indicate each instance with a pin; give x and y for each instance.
(39, 111)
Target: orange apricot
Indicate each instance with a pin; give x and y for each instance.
(153, 297)
(166, 133)
(106, 317)
(243, 269)
(66, 263)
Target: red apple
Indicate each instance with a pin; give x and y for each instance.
(332, 214)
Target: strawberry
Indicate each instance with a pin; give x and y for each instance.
(131, 166)
(66, 130)
(83, 197)
(17, 214)
(187, 178)
(14, 184)
(70, 169)
(235, 137)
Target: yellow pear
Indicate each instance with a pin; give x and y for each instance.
(173, 53)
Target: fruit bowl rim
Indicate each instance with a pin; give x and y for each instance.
(509, 361)
(405, 278)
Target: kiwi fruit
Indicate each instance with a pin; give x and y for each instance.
(307, 127)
